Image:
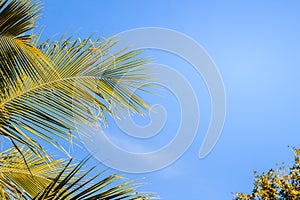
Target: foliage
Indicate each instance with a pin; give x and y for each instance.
(29, 176)
(47, 86)
(281, 184)
(47, 89)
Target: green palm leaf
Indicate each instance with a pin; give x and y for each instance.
(18, 17)
(18, 178)
(44, 178)
(45, 89)
(19, 57)
(38, 84)
(89, 188)
(86, 75)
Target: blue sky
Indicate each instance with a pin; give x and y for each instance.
(256, 48)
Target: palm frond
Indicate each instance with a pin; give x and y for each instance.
(18, 179)
(19, 58)
(18, 17)
(107, 75)
(86, 75)
(45, 178)
(88, 189)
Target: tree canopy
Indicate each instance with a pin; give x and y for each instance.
(280, 184)
(47, 89)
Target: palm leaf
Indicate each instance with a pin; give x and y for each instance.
(45, 178)
(19, 179)
(19, 57)
(88, 189)
(87, 75)
(45, 90)
(18, 17)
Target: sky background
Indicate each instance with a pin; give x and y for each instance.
(256, 47)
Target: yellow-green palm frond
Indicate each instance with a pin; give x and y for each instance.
(23, 173)
(108, 188)
(19, 57)
(87, 75)
(93, 68)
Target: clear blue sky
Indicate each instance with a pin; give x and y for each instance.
(256, 46)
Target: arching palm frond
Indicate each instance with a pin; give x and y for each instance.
(107, 188)
(25, 174)
(28, 176)
(87, 75)
(45, 91)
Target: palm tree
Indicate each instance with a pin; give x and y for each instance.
(47, 90)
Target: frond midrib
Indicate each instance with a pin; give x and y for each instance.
(41, 86)
(6, 170)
